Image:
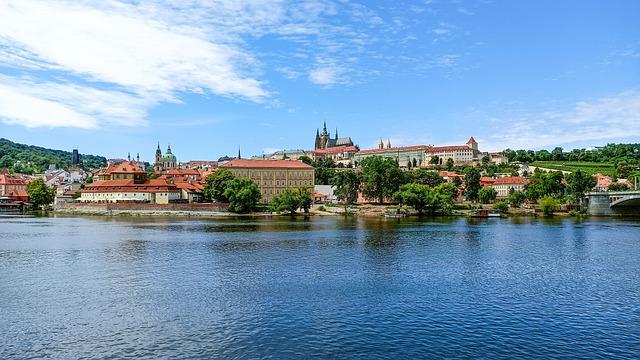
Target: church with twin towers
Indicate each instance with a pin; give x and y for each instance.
(325, 141)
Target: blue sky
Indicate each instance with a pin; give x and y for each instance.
(112, 77)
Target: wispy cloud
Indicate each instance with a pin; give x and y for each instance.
(611, 117)
(327, 74)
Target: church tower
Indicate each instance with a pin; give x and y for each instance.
(317, 145)
(158, 154)
(324, 137)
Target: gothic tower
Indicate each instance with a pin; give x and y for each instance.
(324, 137)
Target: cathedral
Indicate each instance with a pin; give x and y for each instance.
(166, 162)
(324, 140)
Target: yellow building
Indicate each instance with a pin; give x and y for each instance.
(273, 176)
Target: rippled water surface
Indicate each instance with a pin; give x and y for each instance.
(326, 287)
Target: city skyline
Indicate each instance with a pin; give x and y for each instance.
(111, 78)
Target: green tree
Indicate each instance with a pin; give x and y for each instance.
(305, 159)
(501, 206)
(450, 164)
(549, 205)
(427, 177)
(579, 183)
(425, 198)
(243, 195)
(487, 195)
(39, 193)
(435, 160)
(288, 200)
(347, 185)
(305, 196)
(472, 183)
(381, 177)
(516, 197)
(618, 186)
(216, 184)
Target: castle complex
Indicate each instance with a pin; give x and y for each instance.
(324, 140)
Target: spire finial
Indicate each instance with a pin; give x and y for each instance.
(239, 156)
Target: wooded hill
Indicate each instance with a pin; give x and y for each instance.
(30, 159)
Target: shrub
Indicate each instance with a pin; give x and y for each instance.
(549, 205)
(501, 206)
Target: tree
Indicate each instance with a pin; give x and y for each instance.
(347, 184)
(556, 154)
(288, 200)
(305, 159)
(39, 193)
(487, 194)
(579, 183)
(516, 197)
(324, 170)
(425, 198)
(472, 183)
(549, 205)
(427, 177)
(501, 206)
(450, 164)
(381, 177)
(216, 184)
(618, 186)
(243, 195)
(305, 196)
(485, 161)
(435, 160)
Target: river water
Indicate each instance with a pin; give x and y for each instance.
(324, 287)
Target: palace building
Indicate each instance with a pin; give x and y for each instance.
(273, 176)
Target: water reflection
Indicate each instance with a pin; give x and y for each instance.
(329, 287)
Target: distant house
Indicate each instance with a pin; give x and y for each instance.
(602, 182)
(504, 184)
(13, 187)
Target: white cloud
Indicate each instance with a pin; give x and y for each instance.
(604, 119)
(327, 74)
(34, 104)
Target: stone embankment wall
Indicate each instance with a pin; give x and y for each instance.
(142, 209)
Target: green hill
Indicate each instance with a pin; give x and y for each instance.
(34, 159)
(584, 166)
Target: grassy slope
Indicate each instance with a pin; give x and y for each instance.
(587, 167)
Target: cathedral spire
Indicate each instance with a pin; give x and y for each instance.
(128, 156)
(336, 133)
(381, 144)
(158, 145)
(388, 143)
(239, 156)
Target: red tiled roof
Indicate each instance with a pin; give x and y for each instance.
(511, 180)
(125, 167)
(182, 172)
(449, 174)
(472, 141)
(434, 149)
(487, 180)
(128, 185)
(11, 180)
(249, 163)
(395, 149)
(337, 150)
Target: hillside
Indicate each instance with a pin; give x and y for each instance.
(584, 166)
(34, 159)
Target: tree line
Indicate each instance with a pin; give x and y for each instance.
(27, 159)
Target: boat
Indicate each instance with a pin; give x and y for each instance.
(484, 213)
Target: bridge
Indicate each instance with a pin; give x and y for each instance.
(614, 203)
